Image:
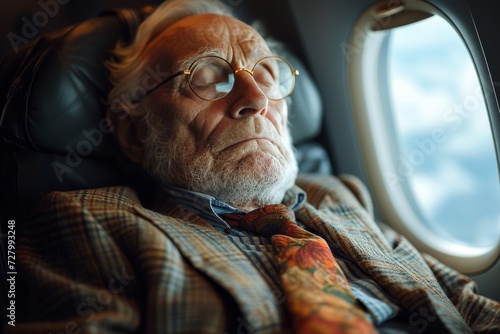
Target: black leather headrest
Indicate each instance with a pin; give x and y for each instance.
(56, 103)
(52, 126)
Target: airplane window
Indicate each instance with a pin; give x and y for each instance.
(445, 152)
(420, 114)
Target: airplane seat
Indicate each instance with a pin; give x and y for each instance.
(53, 128)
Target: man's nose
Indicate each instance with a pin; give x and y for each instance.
(250, 99)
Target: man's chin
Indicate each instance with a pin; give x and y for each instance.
(259, 161)
(258, 177)
(254, 175)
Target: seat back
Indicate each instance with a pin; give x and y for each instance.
(53, 127)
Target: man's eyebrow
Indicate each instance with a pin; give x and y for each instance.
(203, 52)
(185, 63)
(259, 54)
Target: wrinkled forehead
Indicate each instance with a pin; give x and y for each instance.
(212, 34)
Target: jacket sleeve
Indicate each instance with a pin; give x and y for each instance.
(75, 278)
(481, 314)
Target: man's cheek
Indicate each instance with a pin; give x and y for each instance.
(278, 114)
(204, 124)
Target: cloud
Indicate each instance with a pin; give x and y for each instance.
(448, 180)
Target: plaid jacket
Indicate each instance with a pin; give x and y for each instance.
(97, 261)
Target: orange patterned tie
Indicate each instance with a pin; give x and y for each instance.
(318, 296)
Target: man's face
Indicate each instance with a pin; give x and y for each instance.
(237, 148)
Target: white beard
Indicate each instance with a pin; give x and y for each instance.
(256, 173)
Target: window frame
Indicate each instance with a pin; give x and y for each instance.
(377, 140)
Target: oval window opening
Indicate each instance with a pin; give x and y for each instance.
(443, 142)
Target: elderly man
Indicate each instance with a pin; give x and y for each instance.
(230, 244)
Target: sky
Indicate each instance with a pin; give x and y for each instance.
(443, 132)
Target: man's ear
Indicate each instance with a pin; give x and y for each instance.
(128, 131)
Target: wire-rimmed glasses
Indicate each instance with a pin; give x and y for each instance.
(212, 77)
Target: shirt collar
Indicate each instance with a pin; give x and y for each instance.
(209, 208)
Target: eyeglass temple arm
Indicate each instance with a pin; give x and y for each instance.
(161, 83)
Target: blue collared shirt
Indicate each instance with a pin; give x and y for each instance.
(259, 250)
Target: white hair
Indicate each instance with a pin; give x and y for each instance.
(129, 63)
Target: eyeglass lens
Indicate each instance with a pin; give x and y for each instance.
(212, 77)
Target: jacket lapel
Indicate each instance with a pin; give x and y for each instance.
(212, 254)
(398, 268)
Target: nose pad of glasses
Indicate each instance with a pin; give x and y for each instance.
(251, 74)
(243, 69)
